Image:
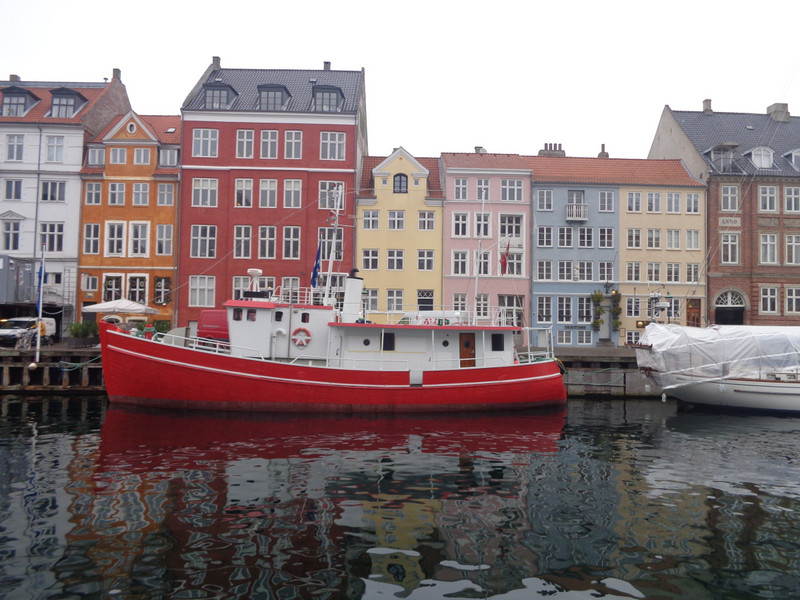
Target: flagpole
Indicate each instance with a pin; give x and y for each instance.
(39, 319)
(332, 255)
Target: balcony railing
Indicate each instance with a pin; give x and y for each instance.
(577, 212)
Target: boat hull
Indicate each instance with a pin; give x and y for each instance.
(146, 373)
(740, 394)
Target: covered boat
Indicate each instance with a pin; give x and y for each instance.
(735, 366)
(296, 351)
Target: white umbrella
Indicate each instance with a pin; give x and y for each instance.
(120, 306)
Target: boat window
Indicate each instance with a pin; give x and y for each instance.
(279, 315)
(387, 341)
(251, 314)
(446, 343)
(366, 341)
(498, 342)
(237, 314)
(305, 317)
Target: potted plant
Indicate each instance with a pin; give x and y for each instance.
(596, 324)
(597, 297)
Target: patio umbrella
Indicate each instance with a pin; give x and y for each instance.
(120, 306)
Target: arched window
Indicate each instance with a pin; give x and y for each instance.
(400, 184)
(762, 158)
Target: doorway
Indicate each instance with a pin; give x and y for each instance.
(467, 349)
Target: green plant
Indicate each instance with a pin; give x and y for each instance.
(92, 330)
(616, 323)
(78, 330)
(162, 326)
(616, 310)
(597, 297)
(596, 323)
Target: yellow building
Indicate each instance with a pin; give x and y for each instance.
(399, 235)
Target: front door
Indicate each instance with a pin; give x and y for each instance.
(467, 353)
(693, 312)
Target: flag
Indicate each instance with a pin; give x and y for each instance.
(504, 259)
(315, 272)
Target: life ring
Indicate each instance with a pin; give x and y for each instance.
(301, 336)
(647, 371)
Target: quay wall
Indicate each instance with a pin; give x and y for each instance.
(63, 369)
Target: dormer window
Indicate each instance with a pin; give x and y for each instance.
(219, 97)
(794, 158)
(400, 184)
(14, 105)
(273, 97)
(327, 99)
(722, 157)
(63, 106)
(761, 158)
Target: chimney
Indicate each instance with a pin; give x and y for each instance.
(707, 107)
(480, 150)
(14, 78)
(116, 74)
(552, 150)
(326, 65)
(779, 112)
(603, 153)
(215, 63)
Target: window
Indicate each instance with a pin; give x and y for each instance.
(459, 266)
(13, 189)
(204, 143)
(242, 241)
(460, 224)
(584, 270)
(769, 249)
(141, 156)
(692, 273)
(268, 193)
(482, 225)
(654, 239)
(544, 309)
(634, 202)
(633, 308)
(14, 105)
(483, 190)
(606, 237)
(89, 283)
(585, 237)
(137, 288)
(510, 226)
(291, 242)
(204, 241)
(269, 143)
(730, 248)
(693, 203)
(369, 220)
(425, 260)
(544, 270)
(115, 239)
(544, 236)
(63, 107)
(605, 270)
(634, 271)
(729, 200)
(332, 145)
(565, 271)
(768, 198)
(395, 259)
(326, 100)
(673, 272)
(397, 220)
(55, 148)
(460, 188)
(565, 237)
(331, 239)
(168, 157)
(584, 309)
(54, 191)
(141, 194)
(693, 239)
(163, 287)
(673, 203)
(544, 200)
(112, 287)
(564, 309)
(204, 192)
(606, 201)
(769, 300)
(11, 231)
(166, 194)
(792, 199)
(673, 239)
(426, 220)
(267, 244)
(272, 98)
(293, 145)
(245, 140)
(370, 299)
(201, 290)
(511, 190)
(793, 249)
(634, 238)
(653, 202)
(117, 156)
(394, 300)
(139, 240)
(400, 184)
(116, 194)
(793, 299)
(292, 193)
(216, 98)
(762, 158)
(369, 259)
(163, 239)
(483, 263)
(482, 305)
(654, 272)
(14, 147)
(331, 195)
(243, 193)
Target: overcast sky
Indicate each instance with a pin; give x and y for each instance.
(441, 76)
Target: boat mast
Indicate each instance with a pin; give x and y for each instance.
(327, 299)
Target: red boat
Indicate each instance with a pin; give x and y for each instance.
(295, 351)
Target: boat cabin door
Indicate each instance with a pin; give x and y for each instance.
(467, 349)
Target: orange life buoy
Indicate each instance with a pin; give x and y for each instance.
(301, 336)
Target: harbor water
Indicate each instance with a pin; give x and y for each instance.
(617, 498)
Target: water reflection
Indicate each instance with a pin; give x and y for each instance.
(614, 499)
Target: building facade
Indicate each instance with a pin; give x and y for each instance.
(269, 156)
(128, 245)
(399, 235)
(43, 130)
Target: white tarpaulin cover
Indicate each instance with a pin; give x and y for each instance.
(719, 351)
(120, 306)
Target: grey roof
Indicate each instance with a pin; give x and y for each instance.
(747, 131)
(299, 83)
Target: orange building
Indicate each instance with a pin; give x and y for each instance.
(130, 182)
